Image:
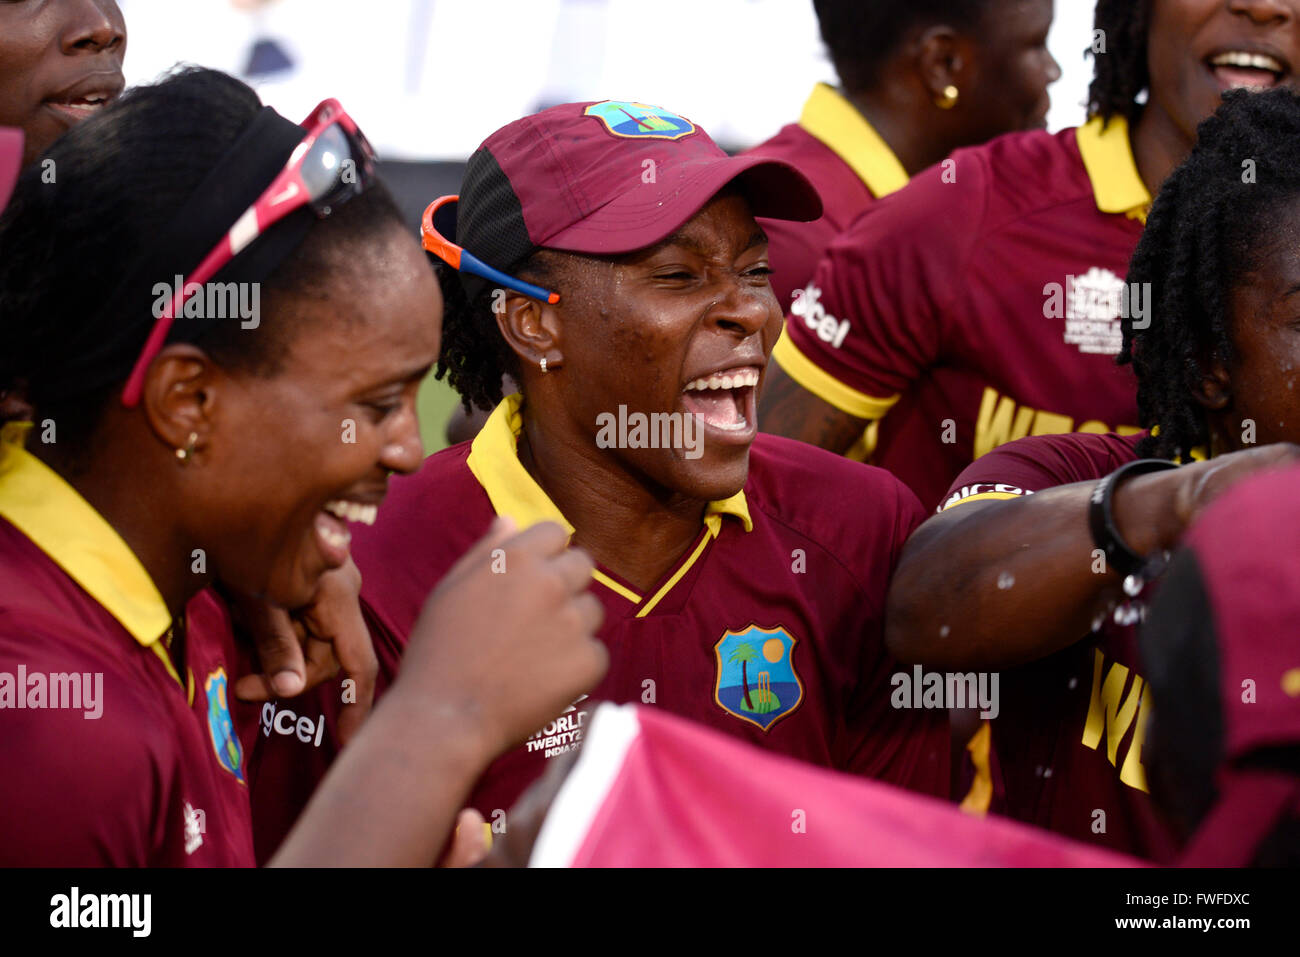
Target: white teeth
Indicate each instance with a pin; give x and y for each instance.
(333, 538)
(740, 425)
(1249, 61)
(353, 511)
(738, 380)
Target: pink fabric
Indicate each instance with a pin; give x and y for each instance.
(687, 796)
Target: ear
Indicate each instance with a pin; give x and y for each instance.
(532, 330)
(943, 59)
(180, 392)
(1214, 389)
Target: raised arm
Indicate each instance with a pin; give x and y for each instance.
(989, 584)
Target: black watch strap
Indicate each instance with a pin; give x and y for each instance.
(1101, 519)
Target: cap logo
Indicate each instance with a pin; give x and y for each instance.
(639, 121)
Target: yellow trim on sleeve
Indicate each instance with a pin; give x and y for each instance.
(981, 497)
(1108, 157)
(980, 795)
(831, 118)
(825, 386)
(52, 514)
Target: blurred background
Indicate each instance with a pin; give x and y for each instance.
(428, 80)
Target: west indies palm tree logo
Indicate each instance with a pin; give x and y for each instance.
(624, 118)
(756, 677)
(224, 740)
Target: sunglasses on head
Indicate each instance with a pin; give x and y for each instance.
(333, 163)
(463, 260)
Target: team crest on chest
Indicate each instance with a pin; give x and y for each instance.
(639, 121)
(757, 681)
(222, 729)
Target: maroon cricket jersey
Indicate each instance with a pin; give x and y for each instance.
(112, 759)
(1067, 741)
(979, 304)
(768, 628)
(848, 163)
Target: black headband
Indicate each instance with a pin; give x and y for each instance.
(123, 323)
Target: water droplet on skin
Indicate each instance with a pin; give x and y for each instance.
(1006, 580)
(944, 631)
(1127, 614)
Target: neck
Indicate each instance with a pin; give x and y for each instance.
(637, 533)
(893, 113)
(135, 515)
(1158, 147)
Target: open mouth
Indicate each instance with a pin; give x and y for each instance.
(332, 533)
(725, 401)
(1245, 70)
(86, 97)
(81, 107)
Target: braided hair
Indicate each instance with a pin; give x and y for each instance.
(1120, 73)
(1210, 225)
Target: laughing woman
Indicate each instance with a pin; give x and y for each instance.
(166, 454)
(742, 576)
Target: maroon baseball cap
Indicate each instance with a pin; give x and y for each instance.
(1253, 595)
(11, 161)
(604, 178)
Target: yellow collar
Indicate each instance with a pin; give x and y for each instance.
(835, 121)
(62, 524)
(1108, 158)
(494, 460)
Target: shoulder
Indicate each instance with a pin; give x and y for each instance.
(98, 753)
(847, 508)
(982, 186)
(429, 507)
(426, 522)
(1044, 461)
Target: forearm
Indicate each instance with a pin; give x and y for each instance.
(996, 584)
(392, 796)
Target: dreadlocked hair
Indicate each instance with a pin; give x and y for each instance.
(475, 355)
(1213, 221)
(1120, 72)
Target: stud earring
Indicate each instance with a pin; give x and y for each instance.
(948, 99)
(543, 365)
(191, 445)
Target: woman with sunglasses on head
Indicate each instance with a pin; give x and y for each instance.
(181, 439)
(741, 576)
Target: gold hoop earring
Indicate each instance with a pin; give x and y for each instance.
(191, 445)
(948, 99)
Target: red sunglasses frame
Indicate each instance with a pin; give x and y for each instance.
(288, 192)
